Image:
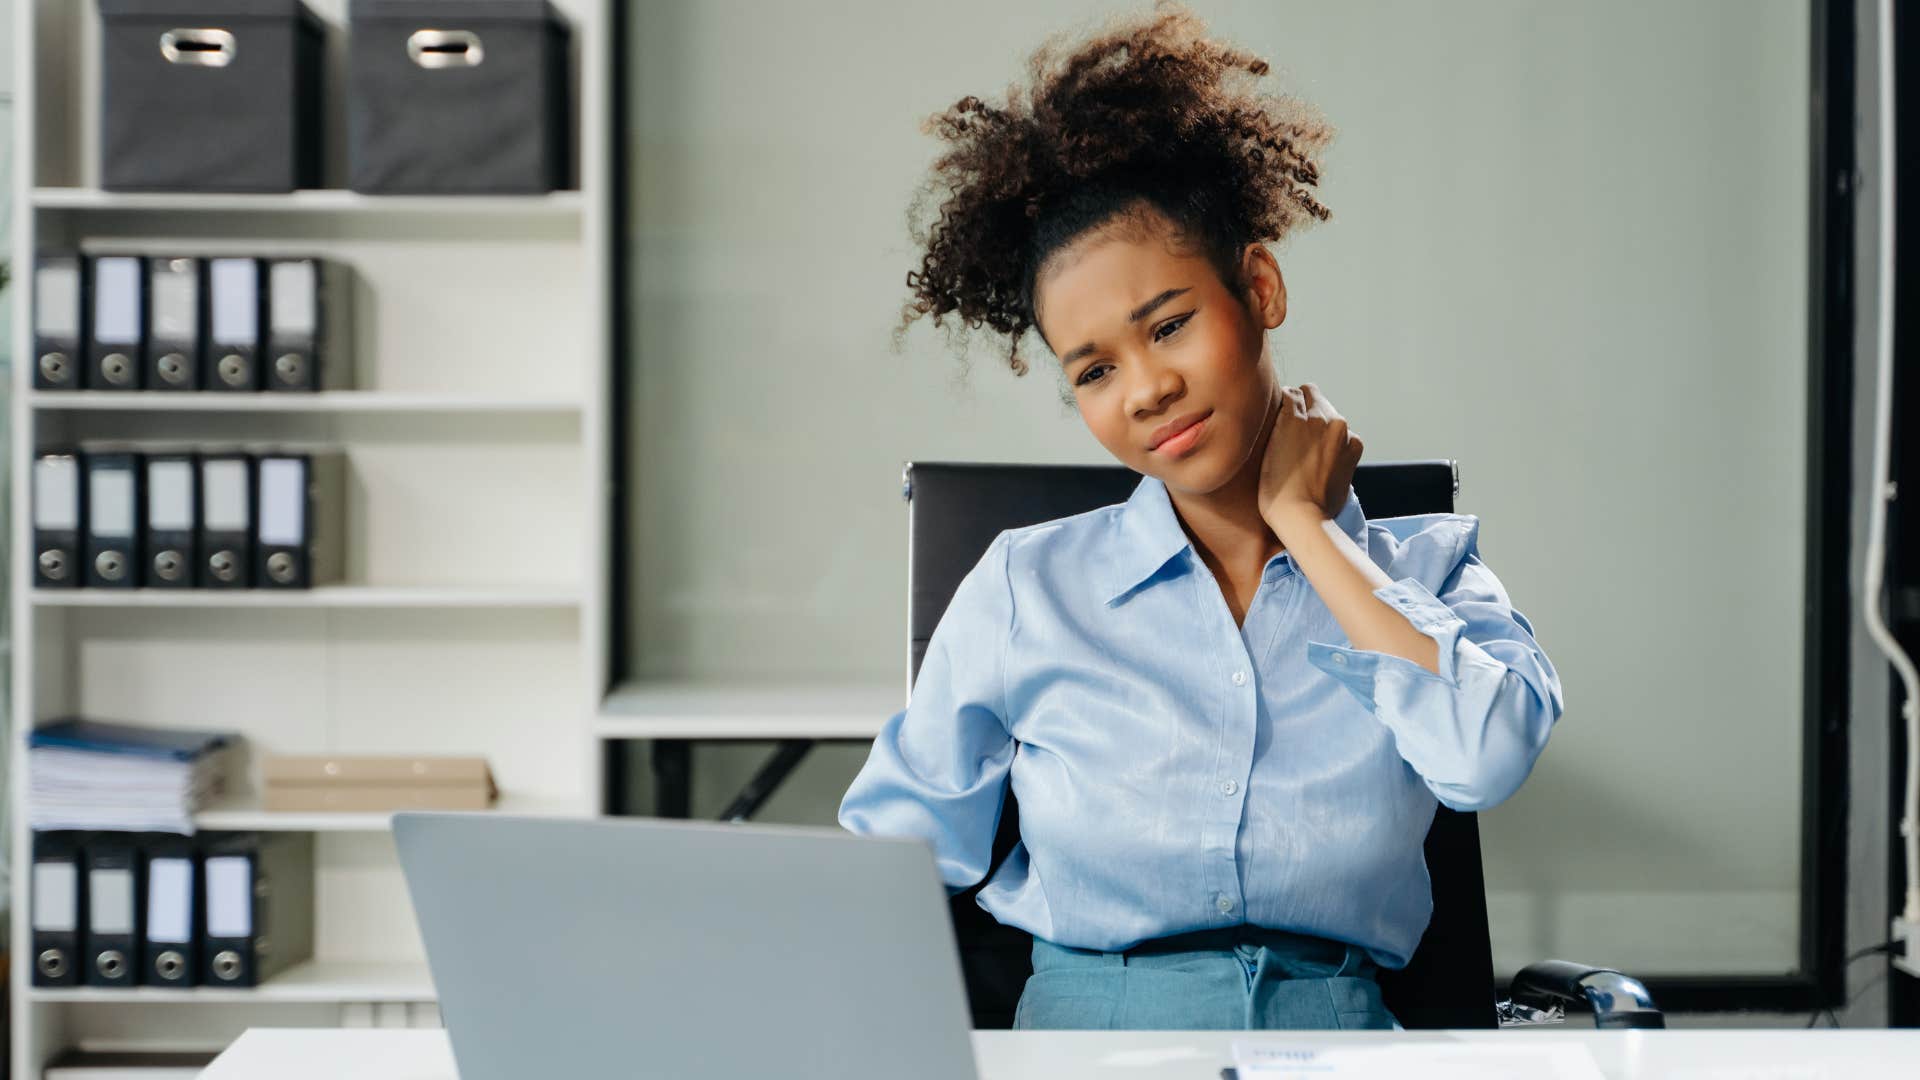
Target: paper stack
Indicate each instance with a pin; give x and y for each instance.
(376, 783)
(91, 774)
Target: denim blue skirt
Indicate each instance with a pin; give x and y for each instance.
(1237, 978)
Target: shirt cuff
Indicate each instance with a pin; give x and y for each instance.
(1357, 668)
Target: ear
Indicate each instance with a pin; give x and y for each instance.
(1266, 288)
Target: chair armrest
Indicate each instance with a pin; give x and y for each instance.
(1617, 1000)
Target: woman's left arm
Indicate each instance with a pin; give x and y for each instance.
(1458, 677)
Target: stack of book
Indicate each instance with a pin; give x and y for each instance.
(331, 782)
(92, 774)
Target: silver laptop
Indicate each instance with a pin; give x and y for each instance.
(641, 947)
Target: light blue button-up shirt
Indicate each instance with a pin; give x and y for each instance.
(1177, 772)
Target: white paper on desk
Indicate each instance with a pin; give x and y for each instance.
(1274, 1060)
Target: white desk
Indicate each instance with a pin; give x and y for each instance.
(313, 1054)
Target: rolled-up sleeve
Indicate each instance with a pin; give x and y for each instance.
(1474, 730)
(938, 769)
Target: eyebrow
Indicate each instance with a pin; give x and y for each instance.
(1138, 313)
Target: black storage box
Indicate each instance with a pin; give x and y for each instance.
(209, 95)
(456, 96)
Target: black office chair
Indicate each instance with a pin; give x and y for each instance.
(956, 511)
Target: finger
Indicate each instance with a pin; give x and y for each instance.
(1318, 402)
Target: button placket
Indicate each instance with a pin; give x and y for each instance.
(1228, 759)
(1233, 752)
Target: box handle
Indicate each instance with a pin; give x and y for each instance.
(206, 47)
(444, 48)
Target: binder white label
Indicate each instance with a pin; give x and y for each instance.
(56, 309)
(116, 300)
(176, 311)
(236, 306)
(225, 495)
(110, 497)
(56, 887)
(291, 293)
(110, 901)
(283, 500)
(170, 901)
(56, 493)
(229, 896)
(170, 495)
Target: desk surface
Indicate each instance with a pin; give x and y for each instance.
(311, 1054)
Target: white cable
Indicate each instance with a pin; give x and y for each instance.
(1882, 490)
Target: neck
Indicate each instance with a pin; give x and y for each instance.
(1225, 524)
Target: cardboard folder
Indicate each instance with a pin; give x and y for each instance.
(374, 783)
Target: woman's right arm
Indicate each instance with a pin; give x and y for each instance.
(938, 768)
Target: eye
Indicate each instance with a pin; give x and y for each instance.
(1086, 377)
(1172, 326)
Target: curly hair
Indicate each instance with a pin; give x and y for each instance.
(1147, 111)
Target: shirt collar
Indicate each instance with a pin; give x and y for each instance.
(1148, 534)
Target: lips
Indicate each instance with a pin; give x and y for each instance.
(1175, 426)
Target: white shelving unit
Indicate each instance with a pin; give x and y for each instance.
(473, 616)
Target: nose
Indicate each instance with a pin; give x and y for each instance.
(1154, 388)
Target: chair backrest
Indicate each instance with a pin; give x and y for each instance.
(957, 508)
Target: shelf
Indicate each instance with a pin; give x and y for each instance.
(245, 815)
(325, 596)
(474, 614)
(755, 711)
(309, 981)
(329, 401)
(559, 204)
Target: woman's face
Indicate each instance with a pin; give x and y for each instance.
(1149, 336)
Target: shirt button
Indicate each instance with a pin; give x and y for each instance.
(1228, 787)
(1239, 678)
(1340, 658)
(1225, 905)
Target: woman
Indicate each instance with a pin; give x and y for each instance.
(1229, 705)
